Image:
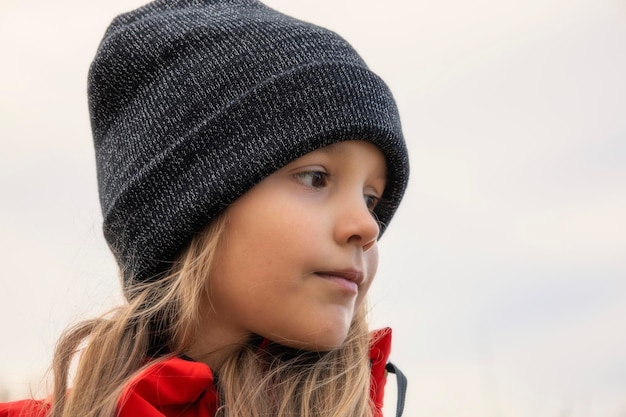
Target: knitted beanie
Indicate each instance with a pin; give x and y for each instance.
(193, 102)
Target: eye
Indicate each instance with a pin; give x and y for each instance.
(371, 201)
(312, 179)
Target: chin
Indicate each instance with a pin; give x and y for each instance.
(322, 342)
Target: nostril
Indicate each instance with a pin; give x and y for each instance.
(365, 234)
(368, 245)
(357, 224)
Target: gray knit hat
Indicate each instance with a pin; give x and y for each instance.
(193, 102)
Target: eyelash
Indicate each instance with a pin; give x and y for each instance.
(316, 177)
(371, 201)
(320, 175)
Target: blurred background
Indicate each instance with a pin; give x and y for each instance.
(504, 272)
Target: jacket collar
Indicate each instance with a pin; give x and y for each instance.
(182, 387)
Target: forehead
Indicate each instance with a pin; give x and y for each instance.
(365, 152)
(346, 148)
(337, 148)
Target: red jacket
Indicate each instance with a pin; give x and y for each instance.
(182, 388)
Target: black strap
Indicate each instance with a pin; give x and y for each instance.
(402, 383)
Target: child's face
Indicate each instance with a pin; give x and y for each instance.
(300, 250)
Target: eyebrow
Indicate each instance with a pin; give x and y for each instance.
(333, 149)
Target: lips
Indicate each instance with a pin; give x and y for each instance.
(350, 280)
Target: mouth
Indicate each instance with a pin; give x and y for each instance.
(348, 280)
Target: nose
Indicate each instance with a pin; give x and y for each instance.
(356, 224)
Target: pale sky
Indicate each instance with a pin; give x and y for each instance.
(503, 273)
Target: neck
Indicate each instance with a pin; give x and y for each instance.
(213, 347)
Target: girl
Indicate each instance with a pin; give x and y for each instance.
(247, 164)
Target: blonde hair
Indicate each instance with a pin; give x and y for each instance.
(160, 320)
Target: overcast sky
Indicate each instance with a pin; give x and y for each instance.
(503, 273)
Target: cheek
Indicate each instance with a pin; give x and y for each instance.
(260, 243)
(371, 265)
(371, 260)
